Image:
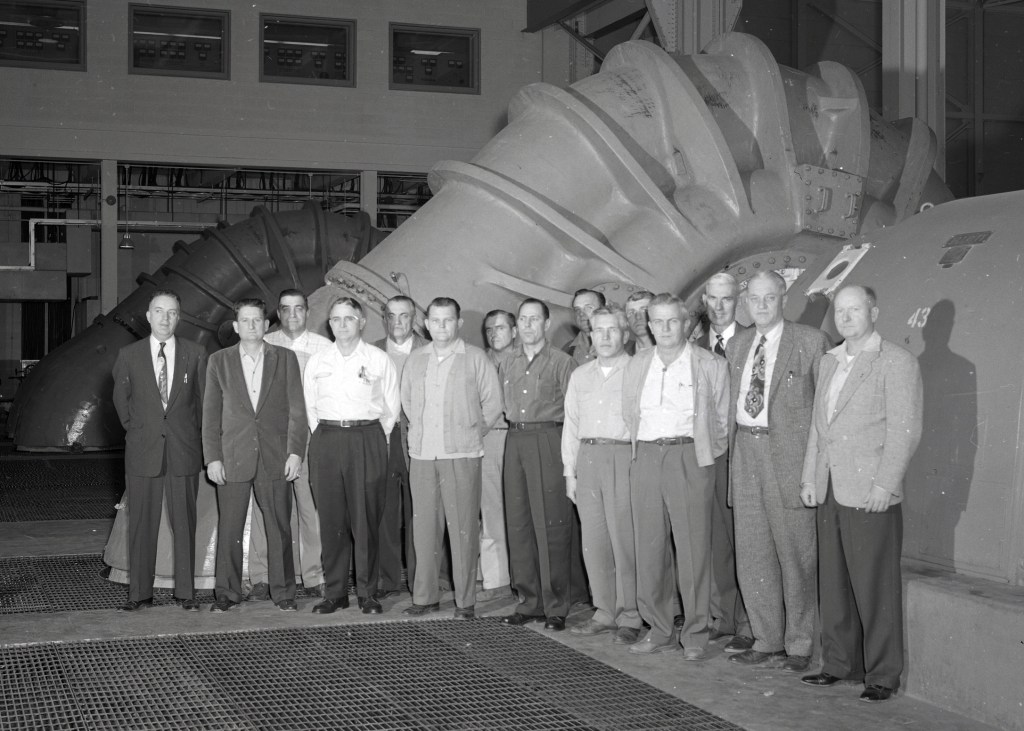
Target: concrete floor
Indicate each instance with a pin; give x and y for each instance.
(751, 698)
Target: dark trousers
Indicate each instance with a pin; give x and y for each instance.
(146, 498)
(274, 497)
(861, 592)
(727, 612)
(540, 521)
(348, 469)
(396, 514)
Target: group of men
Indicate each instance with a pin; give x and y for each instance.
(711, 479)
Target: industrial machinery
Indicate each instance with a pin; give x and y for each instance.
(659, 171)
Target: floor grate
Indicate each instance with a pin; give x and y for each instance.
(441, 674)
(59, 489)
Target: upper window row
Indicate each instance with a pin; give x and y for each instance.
(175, 41)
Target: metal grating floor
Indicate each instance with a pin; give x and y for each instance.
(59, 489)
(440, 674)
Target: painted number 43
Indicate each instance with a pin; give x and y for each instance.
(920, 317)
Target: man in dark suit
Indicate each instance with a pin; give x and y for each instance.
(254, 436)
(867, 424)
(158, 394)
(727, 613)
(773, 368)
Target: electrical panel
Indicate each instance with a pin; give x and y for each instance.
(173, 41)
(431, 58)
(308, 50)
(43, 34)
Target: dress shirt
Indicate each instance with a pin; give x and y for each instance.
(252, 370)
(303, 346)
(666, 400)
(400, 353)
(593, 409)
(498, 357)
(363, 385)
(432, 446)
(771, 350)
(726, 336)
(842, 372)
(535, 389)
(154, 349)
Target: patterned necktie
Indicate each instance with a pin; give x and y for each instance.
(720, 346)
(161, 380)
(755, 396)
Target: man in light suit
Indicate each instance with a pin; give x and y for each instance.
(728, 616)
(773, 368)
(866, 426)
(254, 436)
(158, 394)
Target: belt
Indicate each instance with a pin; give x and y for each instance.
(531, 425)
(665, 441)
(347, 423)
(755, 430)
(599, 440)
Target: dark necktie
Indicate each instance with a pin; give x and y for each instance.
(720, 346)
(161, 380)
(755, 396)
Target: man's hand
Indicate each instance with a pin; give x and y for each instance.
(808, 495)
(292, 467)
(215, 471)
(570, 489)
(877, 500)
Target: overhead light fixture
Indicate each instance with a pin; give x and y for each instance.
(126, 241)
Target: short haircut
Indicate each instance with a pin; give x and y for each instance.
(399, 298)
(600, 297)
(350, 301)
(501, 313)
(869, 293)
(771, 276)
(532, 301)
(164, 293)
(251, 302)
(613, 309)
(445, 302)
(642, 294)
(666, 298)
(722, 278)
(293, 293)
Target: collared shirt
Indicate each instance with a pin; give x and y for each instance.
(252, 370)
(535, 389)
(363, 385)
(593, 408)
(438, 370)
(303, 346)
(169, 350)
(498, 357)
(399, 353)
(771, 350)
(666, 399)
(726, 336)
(581, 348)
(842, 372)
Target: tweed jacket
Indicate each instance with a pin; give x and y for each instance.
(710, 400)
(875, 428)
(790, 399)
(238, 435)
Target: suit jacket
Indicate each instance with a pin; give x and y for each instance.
(874, 430)
(710, 400)
(238, 435)
(790, 399)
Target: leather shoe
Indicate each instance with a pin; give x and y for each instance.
(465, 613)
(287, 605)
(877, 693)
(260, 592)
(695, 654)
(739, 643)
(417, 610)
(555, 624)
(755, 657)
(648, 646)
(516, 619)
(222, 605)
(715, 634)
(189, 605)
(369, 605)
(133, 606)
(822, 679)
(317, 590)
(382, 594)
(626, 636)
(590, 628)
(796, 664)
(328, 606)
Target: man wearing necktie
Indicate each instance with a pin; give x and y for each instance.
(773, 369)
(158, 395)
(728, 616)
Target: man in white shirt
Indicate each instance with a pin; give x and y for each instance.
(352, 402)
(292, 309)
